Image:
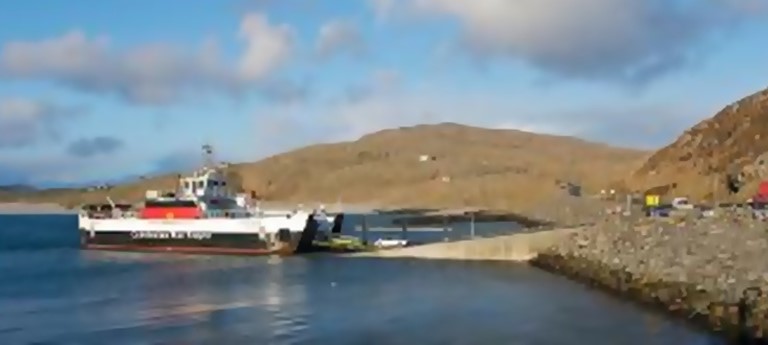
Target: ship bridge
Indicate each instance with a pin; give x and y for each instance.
(209, 187)
(204, 184)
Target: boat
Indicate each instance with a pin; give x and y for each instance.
(204, 216)
(390, 243)
(337, 243)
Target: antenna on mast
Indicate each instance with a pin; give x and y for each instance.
(208, 156)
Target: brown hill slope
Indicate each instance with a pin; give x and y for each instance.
(472, 166)
(734, 142)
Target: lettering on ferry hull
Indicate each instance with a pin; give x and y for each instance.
(171, 235)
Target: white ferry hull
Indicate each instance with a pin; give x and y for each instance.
(218, 243)
(248, 236)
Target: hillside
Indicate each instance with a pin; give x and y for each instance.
(734, 141)
(17, 188)
(466, 166)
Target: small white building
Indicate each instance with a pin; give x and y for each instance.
(425, 158)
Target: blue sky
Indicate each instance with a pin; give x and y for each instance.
(94, 91)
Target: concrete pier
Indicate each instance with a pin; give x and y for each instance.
(518, 247)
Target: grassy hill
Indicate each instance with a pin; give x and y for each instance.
(467, 166)
(732, 142)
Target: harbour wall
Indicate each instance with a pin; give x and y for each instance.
(740, 321)
(710, 271)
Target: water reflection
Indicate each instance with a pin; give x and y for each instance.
(286, 298)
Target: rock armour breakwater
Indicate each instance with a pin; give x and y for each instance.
(711, 271)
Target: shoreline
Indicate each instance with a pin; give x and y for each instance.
(23, 208)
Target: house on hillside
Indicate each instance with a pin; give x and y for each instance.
(426, 158)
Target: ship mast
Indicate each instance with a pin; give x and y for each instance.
(208, 159)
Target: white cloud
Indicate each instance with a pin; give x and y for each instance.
(338, 36)
(628, 40)
(150, 73)
(24, 122)
(267, 46)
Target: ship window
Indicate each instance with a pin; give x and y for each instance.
(223, 183)
(200, 184)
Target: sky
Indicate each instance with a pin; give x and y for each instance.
(103, 90)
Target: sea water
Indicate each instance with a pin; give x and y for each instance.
(51, 292)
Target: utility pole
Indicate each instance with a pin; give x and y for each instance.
(472, 225)
(365, 230)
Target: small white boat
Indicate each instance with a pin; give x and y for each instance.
(390, 243)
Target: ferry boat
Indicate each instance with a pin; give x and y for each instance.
(203, 216)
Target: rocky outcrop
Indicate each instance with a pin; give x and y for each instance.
(733, 142)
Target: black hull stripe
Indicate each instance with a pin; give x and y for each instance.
(166, 240)
(188, 250)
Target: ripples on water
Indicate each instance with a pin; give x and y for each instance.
(51, 292)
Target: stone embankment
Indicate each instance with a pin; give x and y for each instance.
(712, 271)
